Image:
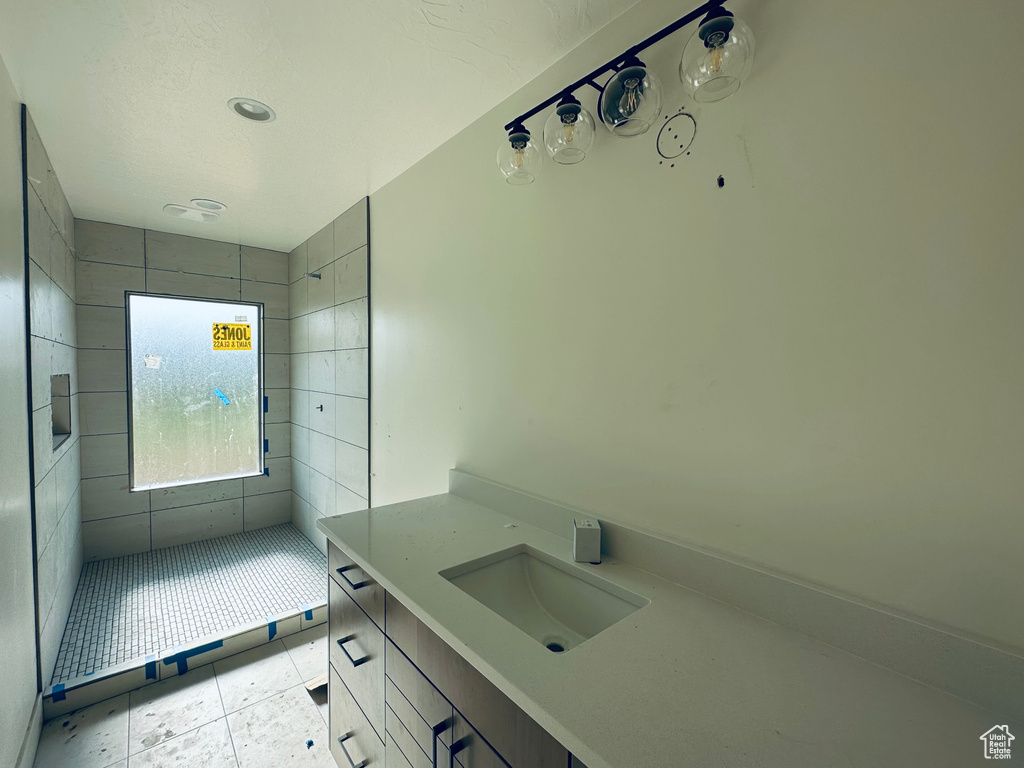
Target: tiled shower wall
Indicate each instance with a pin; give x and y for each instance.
(330, 371)
(111, 260)
(58, 512)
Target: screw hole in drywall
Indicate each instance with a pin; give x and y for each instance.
(721, 181)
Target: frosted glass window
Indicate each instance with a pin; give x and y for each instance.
(195, 397)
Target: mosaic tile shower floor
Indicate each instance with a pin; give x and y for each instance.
(127, 607)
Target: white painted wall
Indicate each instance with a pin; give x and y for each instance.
(817, 367)
(17, 602)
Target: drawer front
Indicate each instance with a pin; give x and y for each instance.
(393, 757)
(357, 654)
(352, 738)
(420, 734)
(515, 734)
(367, 593)
(415, 700)
(470, 750)
(399, 734)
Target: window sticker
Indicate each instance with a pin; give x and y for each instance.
(232, 336)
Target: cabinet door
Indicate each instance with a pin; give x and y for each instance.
(353, 742)
(470, 749)
(368, 594)
(357, 654)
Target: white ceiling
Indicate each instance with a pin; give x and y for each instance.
(130, 97)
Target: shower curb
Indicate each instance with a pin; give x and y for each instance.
(61, 698)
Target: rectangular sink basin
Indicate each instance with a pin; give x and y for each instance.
(555, 603)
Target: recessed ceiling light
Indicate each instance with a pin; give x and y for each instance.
(253, 110)
(190, 214)
(206, 204)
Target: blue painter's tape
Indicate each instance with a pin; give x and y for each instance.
(307, 611)
(57, 692)
(181, 657)
(266, 471)
(266, 445)
(266, 404)
(222, 396)
(151, 667)
(271, 627)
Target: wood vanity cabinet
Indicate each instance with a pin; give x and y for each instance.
(427, 705)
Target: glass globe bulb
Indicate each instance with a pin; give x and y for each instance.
(568, 133)
(717, 58)
(631, 100)
(519, 158)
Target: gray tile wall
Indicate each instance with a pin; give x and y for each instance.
(114, 259)
(52, 287)
(330, 372)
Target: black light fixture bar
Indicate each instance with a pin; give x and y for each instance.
(589, 79)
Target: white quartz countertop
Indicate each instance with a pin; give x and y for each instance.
(684, 681)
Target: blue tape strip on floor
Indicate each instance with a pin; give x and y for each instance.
(307, 611)
(271, 628)
(151, 667)
(57, 692)
(181, 657)
(222, 396)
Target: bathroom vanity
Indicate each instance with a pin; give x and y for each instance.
(439, 656)
(401, 697)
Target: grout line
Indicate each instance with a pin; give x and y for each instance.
(224, 709)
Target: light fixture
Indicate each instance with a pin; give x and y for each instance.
(206, 204)
(569, 131)
(631, 100)
(717, 57)
(191, 214)
(714, 63)
(519, 159)
(251, 109)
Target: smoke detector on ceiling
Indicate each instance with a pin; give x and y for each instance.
(191, 214)
(251, 109)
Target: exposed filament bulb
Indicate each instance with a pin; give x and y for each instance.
(568, 126)
(717, 54)
(632, 98)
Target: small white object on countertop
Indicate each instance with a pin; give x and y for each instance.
(586, 541)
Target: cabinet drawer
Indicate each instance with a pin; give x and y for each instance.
(415, 700)
(420, 734)
(399, 734)
(520, 740)
(367, 593)
(470, 750)
(352, 738)
(357, 654)
(393, 757)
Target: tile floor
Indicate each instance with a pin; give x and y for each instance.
(127, 607)
(246, 711)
